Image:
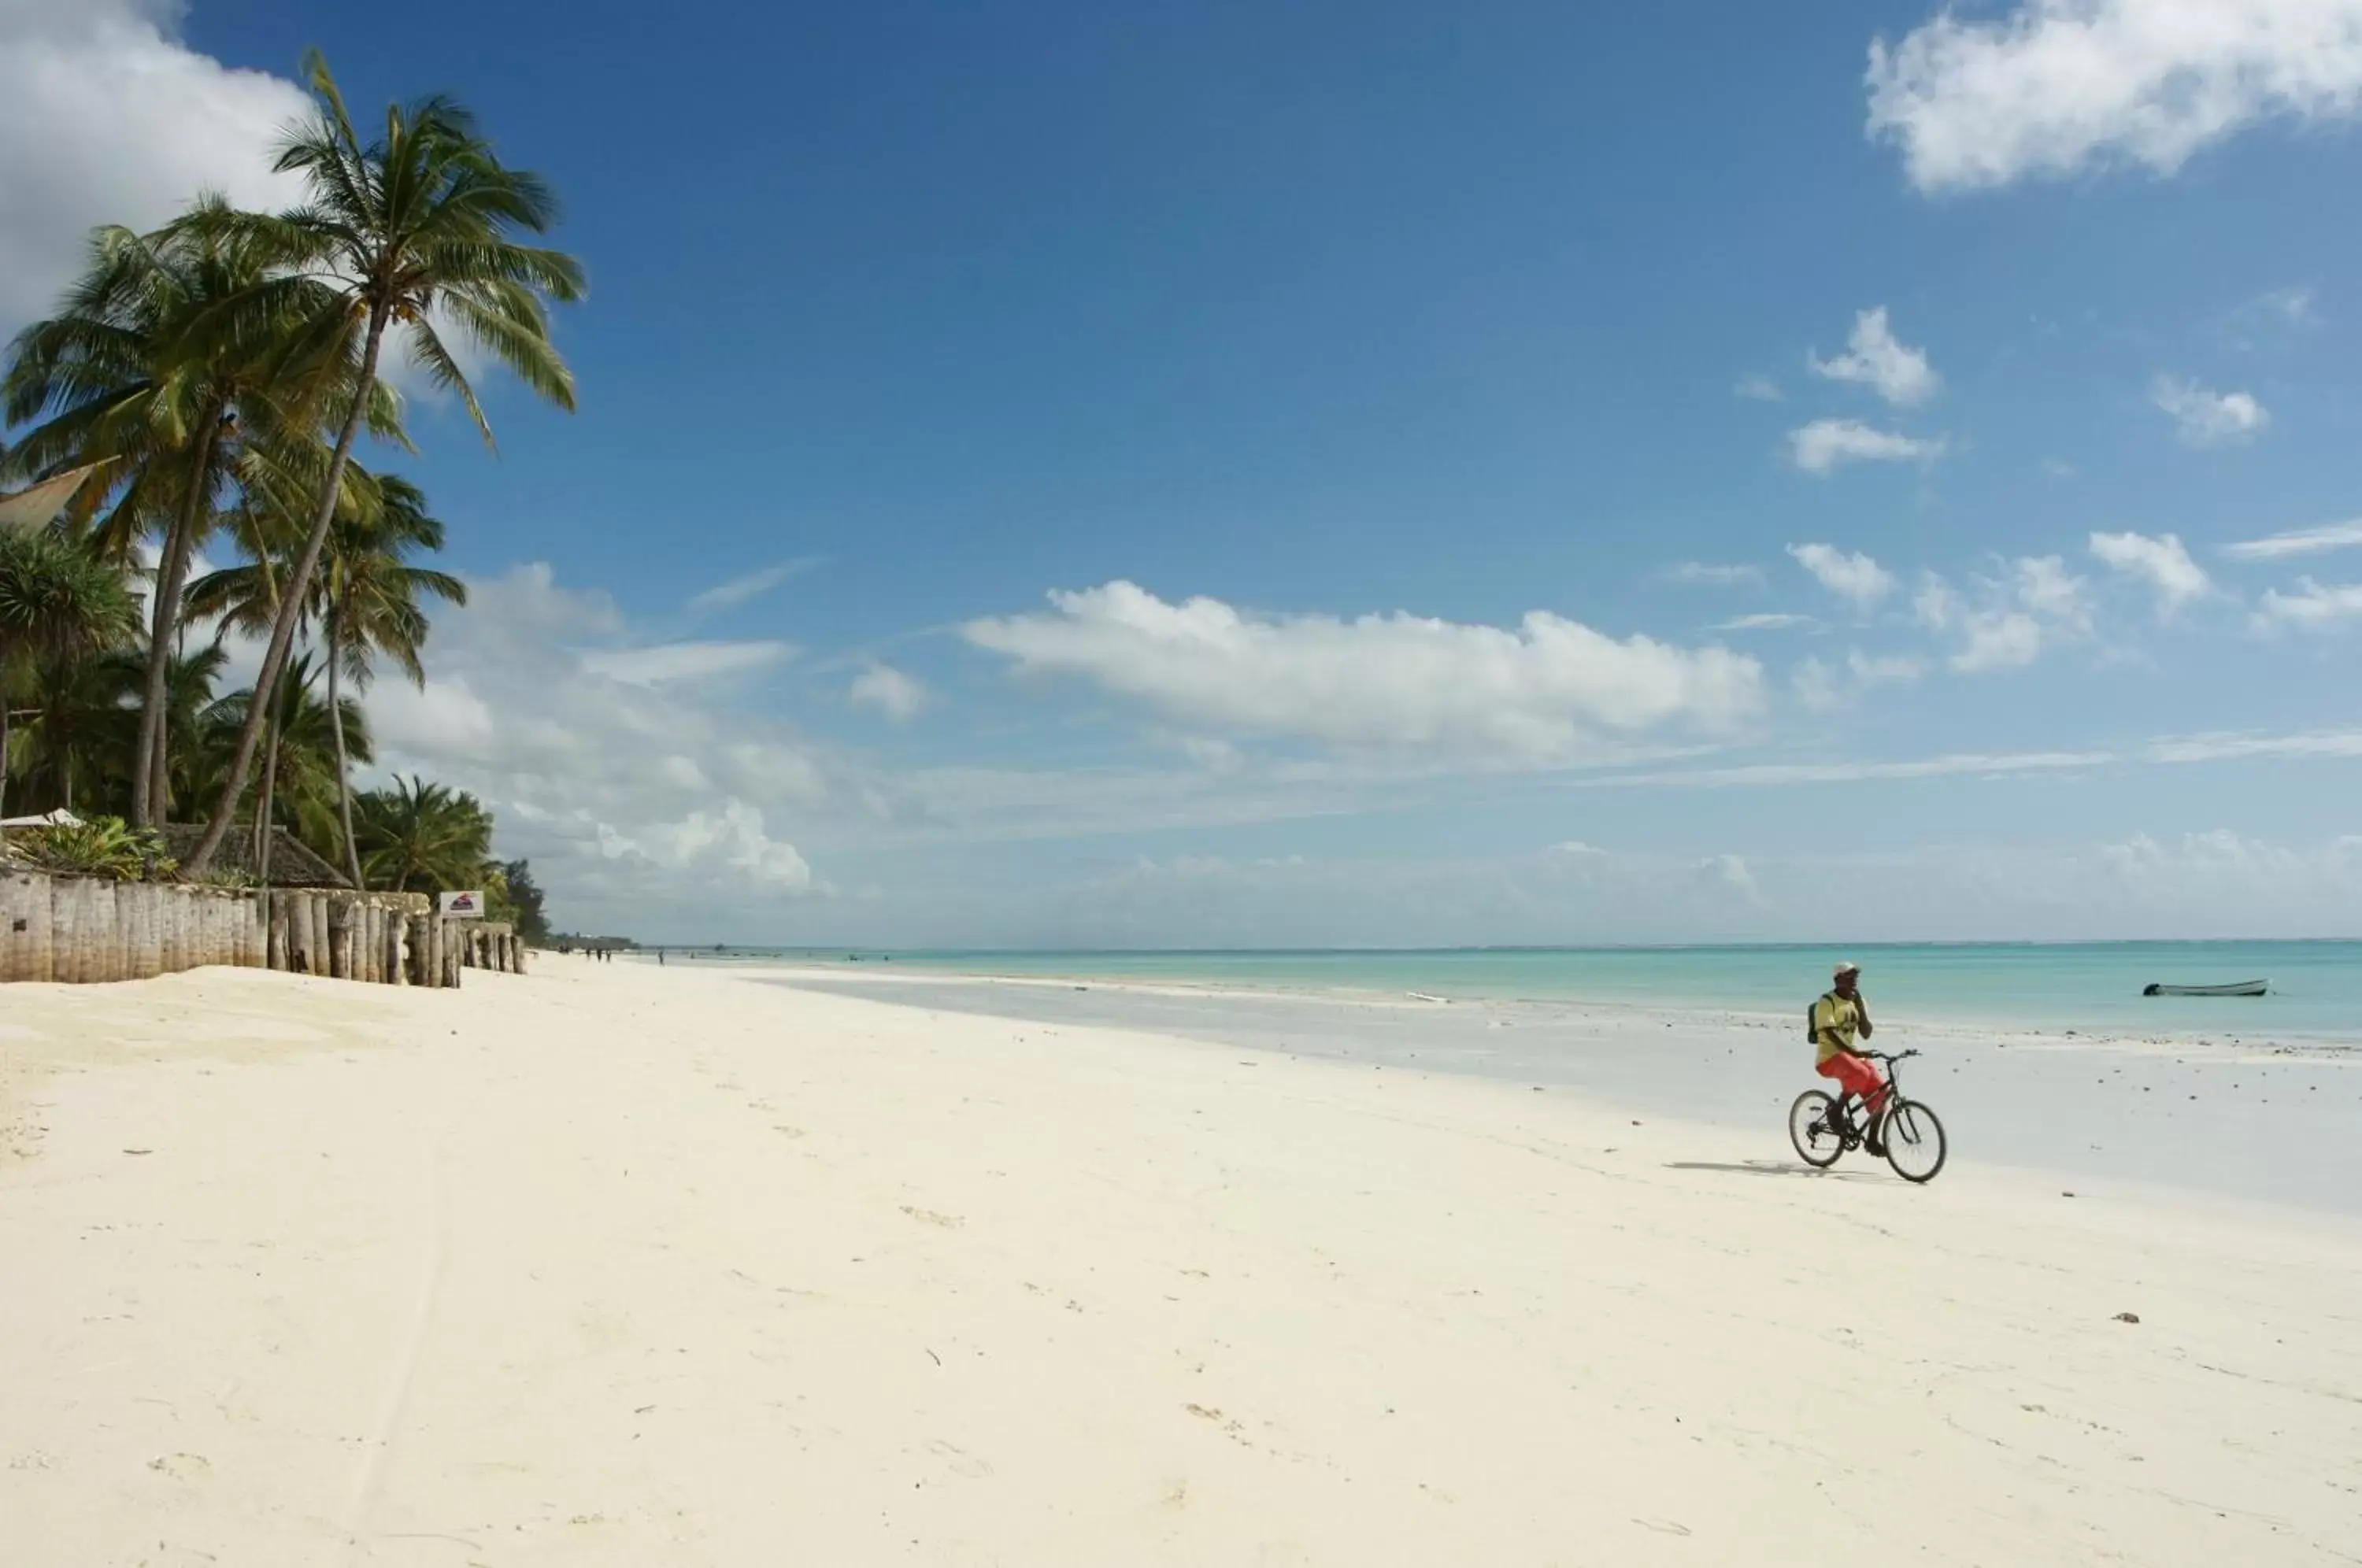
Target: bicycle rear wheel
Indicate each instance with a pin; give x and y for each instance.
(1914, 1140)
(1808, 1129)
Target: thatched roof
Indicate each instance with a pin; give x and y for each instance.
(291, 865)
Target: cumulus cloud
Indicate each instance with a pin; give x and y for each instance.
(1874, 358)
(2314, 606)
(2057, 87)
(2009, 621)
(611, 766)
(106, 116)
(2298, 542)
(2161, 563)
(1827, 445)
(882, 687)
(1730, 874)
(1854, 577)
(1546, 690)
(1823, 687)
(2205, 418)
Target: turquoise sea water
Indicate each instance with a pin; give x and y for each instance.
(2316, 987)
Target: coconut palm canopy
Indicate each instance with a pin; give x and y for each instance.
(207, 384)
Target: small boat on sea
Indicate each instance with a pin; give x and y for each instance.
(2237, 988)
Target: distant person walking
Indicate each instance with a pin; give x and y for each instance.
(1840, 1018)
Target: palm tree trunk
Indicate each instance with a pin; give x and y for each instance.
(4, 754)
(291, 603)
(344, 768)
(265, 830)
(171, 575)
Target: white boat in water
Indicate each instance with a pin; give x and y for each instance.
(2235, 988)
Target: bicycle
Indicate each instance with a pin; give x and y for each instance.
(1822, 1128)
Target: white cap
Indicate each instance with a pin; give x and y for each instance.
(1843, 969)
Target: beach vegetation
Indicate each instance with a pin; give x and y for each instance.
(102, 847)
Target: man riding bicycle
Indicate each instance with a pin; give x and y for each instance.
(1839, 1018)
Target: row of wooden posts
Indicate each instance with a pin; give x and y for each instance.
(87, 929)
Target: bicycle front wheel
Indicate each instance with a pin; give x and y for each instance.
(1914, 1140)
(1809, 1128)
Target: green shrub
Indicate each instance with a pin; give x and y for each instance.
(104, 846)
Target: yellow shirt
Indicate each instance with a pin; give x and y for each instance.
(1836, 1021)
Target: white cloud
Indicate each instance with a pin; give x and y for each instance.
(738, 591)
(1729, 873)
(1768, 623)
(2013, 619)
(1826, 445)
(2222, 747)
(1775, 775)
(2162, 563)
(2313, 607)
(106, 117)
(898, 696)
(1823, 687)
(1884, 669)
(607, 763)
(1540, 691)
(1874, 358)
(1856, 579)
(2059, 86)
(669, 662)
(2298, 542)
(2205, 418)
(2292, 307)
(732, 838)
(1757, 387)
(1998, 640)
(2044, 585)
(1704, 574)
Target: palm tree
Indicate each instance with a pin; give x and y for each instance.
(369, 595)
(416, 225)
(132, 373)
(77, 750)
(424, 838)
(302, 763)
(57, 601)
(245, 599)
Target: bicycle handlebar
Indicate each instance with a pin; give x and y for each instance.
(1890, 1055)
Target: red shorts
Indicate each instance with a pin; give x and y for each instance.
(1856, 1075)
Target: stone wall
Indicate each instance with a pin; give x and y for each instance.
(84, 930)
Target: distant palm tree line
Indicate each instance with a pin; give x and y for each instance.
(216, 375)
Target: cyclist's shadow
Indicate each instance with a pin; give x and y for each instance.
(1770, 1167)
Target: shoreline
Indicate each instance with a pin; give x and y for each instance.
(2234, 1031)
(609, 1265)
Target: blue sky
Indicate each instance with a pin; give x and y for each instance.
(1493, 381)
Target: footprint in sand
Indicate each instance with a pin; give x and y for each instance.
(928, 1217)
(181, 1466)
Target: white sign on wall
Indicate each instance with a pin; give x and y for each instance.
(463, 906)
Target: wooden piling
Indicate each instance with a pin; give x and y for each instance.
(136, 905)
(26, 913)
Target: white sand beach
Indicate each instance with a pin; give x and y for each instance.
(619, 1265)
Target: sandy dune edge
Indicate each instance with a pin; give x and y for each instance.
(618, 1266)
